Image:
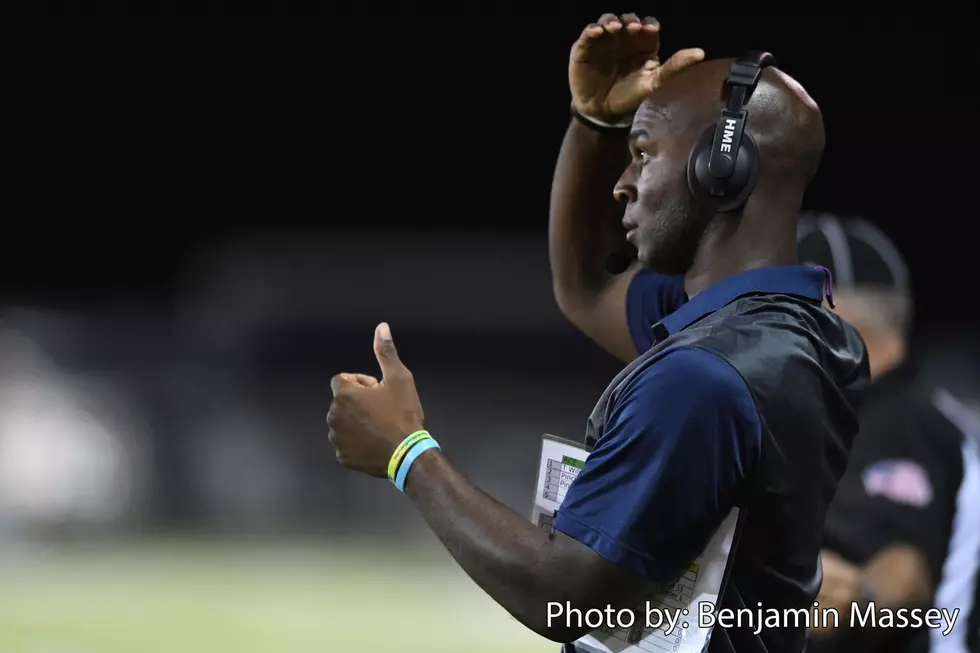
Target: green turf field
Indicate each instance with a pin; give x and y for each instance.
(205, 597)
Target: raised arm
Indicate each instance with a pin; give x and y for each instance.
(583, 224)
(613, 67)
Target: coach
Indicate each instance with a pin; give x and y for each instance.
(739, 393)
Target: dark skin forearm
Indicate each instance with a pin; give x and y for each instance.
(519, 565)
(898, 574)
(584, 225)
(900, 577)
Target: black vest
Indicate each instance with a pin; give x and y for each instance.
(804, 368)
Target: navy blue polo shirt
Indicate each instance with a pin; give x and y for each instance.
(683, 437)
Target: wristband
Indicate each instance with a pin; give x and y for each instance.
(598, 125)
(421, 447)
(402, 449)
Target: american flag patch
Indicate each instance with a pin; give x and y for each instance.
(901, 481)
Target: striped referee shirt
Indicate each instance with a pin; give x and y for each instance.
(914, 478)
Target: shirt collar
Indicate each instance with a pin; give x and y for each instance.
(802, 280)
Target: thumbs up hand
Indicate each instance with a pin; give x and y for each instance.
(368, 418)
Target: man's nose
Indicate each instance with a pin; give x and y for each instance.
(623, 194)
(625, 190)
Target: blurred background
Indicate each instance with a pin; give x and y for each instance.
(205, 217)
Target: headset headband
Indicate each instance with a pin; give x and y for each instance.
(741, 82)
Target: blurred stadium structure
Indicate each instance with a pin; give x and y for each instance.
(220, 402)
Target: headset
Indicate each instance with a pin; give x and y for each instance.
(723, 167)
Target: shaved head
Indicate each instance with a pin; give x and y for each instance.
(669, 228)
(782, 117)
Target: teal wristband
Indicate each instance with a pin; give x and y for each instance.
(409, 459)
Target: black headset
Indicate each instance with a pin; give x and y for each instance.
(724, 164)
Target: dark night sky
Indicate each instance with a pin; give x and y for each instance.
(129, 143)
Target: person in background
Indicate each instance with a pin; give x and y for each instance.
(903, 529)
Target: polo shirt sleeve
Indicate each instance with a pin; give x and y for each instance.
(650, 298)
(682, 438)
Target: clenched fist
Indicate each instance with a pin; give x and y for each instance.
(615, 65)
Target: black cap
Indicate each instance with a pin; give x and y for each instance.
(855, 251)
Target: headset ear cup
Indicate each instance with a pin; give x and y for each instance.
(743, 180)
(737, 187)
(698, 177)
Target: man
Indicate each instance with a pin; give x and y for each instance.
(903, 530)
(744, 399)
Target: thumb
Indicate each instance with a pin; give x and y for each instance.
(385, 352)
(677, 62)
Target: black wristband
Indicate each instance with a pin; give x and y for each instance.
(599, 126)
